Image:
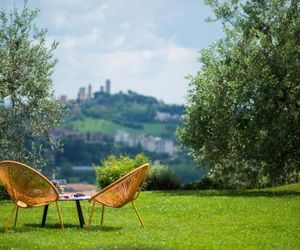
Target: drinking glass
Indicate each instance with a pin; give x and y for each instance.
(62, 183)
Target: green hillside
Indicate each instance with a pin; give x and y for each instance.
(131, 112)
(95, 126)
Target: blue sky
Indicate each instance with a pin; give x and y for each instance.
(147, 46)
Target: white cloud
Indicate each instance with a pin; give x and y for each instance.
(96, 15)
(61, 21)
(119, 41)
(73, 16)
(126, 25)
(75, 42)
(179, 53)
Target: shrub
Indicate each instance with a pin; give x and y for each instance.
(114, 167)
(162, 178)
(3, 193)
(205, 183)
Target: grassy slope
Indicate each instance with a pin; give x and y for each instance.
(259, 219)
(94, 126)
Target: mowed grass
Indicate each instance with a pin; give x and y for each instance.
(255, 219)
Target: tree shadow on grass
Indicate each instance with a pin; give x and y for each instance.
(231, 193)
(102, 228)
(91, 228)
(133, 247)
(25, 227)
(51, 226)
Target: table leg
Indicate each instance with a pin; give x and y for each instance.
(45, 215)
(80, 215)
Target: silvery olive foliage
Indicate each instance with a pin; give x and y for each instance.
(243, 107)
(28, 108)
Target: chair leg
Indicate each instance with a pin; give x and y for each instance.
(59, 216)
(16, 218)
(10, 218)
(102, 215)
(91, 215)
(142, 224)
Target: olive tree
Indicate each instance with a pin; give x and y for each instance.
(243, 111)
(28, 108)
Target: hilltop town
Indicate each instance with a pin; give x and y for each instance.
(122, 135)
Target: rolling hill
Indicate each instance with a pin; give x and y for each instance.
(131, 112)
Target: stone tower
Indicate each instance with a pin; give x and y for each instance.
(81, 94)
(107, 86)
(89, 95)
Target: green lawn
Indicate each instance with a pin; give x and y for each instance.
(258, 219)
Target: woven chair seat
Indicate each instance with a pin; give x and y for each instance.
(27, 187)
(122, 191)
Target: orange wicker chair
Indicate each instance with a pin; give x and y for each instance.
(119, 193)
(27, 188)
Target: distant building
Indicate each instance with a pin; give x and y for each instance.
(81, 94)
(149, 143)
(107, 86)
(166, 146)
(89, 95)
(121, 136)
(104, 89)
(64, 99)
(164, 117)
